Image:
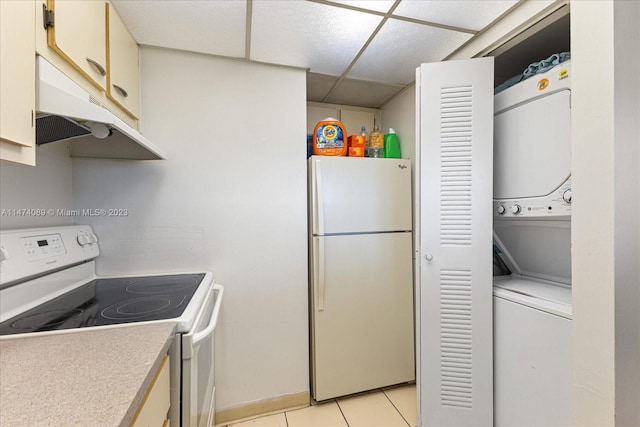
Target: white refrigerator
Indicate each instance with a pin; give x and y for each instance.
(361, 284)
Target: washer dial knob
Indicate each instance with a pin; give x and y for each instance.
(566, 196)
(501, 210)
(516, 209)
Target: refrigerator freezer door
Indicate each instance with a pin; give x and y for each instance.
(361, 313)
(356, 195)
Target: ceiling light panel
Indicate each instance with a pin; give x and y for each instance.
(472, 15)
(310, 35)
(377, 5)
(400, 47)
(207, 26)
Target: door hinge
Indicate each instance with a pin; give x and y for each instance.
(47, 17)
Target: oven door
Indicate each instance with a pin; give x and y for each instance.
(198, 389)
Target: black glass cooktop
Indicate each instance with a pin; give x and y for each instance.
(108, 302)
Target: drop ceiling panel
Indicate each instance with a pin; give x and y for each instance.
(400, 47)
(362, 93)
(311, 35)
(216, 27)
(324, 36)
(377, 5)
(318, 86)
(472, 15)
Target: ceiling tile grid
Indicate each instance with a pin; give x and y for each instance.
(357, 52)
(361, 93)
(309, 35)
(319, 85)
(376, 5)
(400, 47)
(472, 15)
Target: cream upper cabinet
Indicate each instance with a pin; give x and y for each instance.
(122, 64)
(77, 33)
(17, 102)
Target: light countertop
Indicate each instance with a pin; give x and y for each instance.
(94, 377)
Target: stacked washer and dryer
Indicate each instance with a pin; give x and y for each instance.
(532, 239)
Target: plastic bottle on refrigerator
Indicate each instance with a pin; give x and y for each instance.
(363, 134)
(391, 145)
(375, 143)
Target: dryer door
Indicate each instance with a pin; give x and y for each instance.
(532, 147)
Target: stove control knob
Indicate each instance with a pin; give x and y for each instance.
(82, 239)
(566, 196)
(92, 238)
(501, 210)
(516, 209)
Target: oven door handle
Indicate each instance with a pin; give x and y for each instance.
(197, 337)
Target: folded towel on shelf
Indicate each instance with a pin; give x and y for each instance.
(507, 84)
(535, 68)
(545, 65)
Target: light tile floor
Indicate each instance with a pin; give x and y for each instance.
(389, 407)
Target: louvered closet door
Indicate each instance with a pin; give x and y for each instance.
(454, 183)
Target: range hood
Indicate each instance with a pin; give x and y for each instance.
(67, 112)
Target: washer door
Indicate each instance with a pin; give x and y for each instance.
(532, 367)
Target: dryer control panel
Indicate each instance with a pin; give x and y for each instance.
(557, 204)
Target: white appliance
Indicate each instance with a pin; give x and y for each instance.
(361, 285)
(48, 286)
(459, 178)
(532, 226)
(65, 111)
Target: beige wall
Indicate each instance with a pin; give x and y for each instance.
(231, 198)
(627, 217)
(605, 237)
(45, 186)
(400, 114)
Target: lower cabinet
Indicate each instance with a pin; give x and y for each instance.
(154, 409)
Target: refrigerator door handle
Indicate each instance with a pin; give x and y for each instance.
(321, 270)
(319, 199)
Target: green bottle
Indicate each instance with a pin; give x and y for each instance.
(391, 145)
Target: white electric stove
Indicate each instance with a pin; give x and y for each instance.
(48, 286)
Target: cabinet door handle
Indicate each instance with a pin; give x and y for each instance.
(99, 68)
(120, 90)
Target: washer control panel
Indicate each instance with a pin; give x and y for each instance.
(558, 203)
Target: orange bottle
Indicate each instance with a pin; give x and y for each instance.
(330, 138)
(358, 144)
